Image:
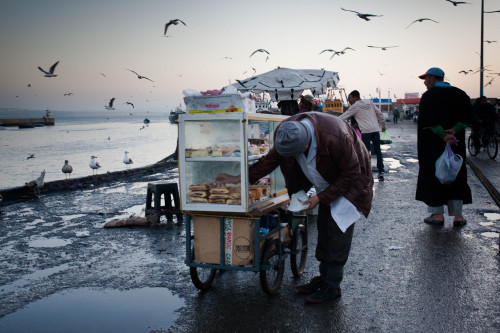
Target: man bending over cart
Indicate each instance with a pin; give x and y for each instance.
(320, 150)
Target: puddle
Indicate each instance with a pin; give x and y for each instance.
(49, 242)
(490, 234)
(138, 210)
(492, 216)
(393, 171)
(67, 218)
(411, 160)
(486, 224)
(393, 163)
(29, 278)
(89, 310)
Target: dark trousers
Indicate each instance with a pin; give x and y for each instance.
(375, 139)
(333, 247)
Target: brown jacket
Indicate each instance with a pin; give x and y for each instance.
(341, 159)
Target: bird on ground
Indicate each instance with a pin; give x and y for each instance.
(110, 105)
(490, 41)
(455, 3)
(384, 48)
(139, 76)
(31, 156)
(36, 184)
(174, 22)
(67, 169)
(259, 50)
(50, 73)
(127, 160)
(130, 104)
(421, 20)
(94, 165)
(365, 17)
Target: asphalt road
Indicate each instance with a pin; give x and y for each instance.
(402, 275)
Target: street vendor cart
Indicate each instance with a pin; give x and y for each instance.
(234, 226)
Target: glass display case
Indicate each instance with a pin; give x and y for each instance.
(215, 143)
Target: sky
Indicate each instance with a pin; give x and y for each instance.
(109, 36)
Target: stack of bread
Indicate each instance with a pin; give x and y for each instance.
(256, 192)
(208, 193)
(198, 193)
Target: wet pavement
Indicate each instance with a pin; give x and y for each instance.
(61, 271)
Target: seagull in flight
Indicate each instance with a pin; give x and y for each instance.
(384, 48)
(465, 72)
(455, 3)
(130, 104)
(50, 73)
(139, 76)
(228, 58)
(31, 156)
(258, 50)
(490, 41)
(494, 11)
(365, 17)
(174, 22)
(420, 20)
(110, 106)
(489, 83)
(67, 169)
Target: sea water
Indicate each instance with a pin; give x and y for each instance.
(75, 137)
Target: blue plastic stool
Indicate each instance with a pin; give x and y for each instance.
(170, 193)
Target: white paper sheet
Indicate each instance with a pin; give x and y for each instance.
(296, 203)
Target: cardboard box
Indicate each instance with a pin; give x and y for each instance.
(238, 233)
(219, 104)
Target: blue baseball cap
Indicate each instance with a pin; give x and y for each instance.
(433, 71)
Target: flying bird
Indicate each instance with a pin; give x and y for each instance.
(455, 3)
(94, 165)
(50, 73)
(31, 156)
(67, 169)
(68, 94)
(127, 160)
(103, 74)
(139, 76)
(110, 106)
(420, 20)
(29, 85)
(464, 71)
(228, 58)
(327, 50)
(36, 184)
(489, 83)
(384, 48)
(174, 22)
(490, 41)
(130, 104)
(258, 50)
(493, 11)
(365, 17)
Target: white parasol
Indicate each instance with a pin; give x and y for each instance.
(288, 84)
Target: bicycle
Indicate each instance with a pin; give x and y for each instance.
(489, 140)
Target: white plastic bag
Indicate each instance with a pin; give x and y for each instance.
(447, 166)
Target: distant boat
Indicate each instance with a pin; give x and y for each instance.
(147, 121)
(47, 120)
(174, 114)
(27, 125)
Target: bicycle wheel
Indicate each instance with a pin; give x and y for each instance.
(492, 147)
(473, 150)
(270, 279)
(299, 251)
(202, 278)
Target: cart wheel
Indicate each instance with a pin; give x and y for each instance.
(299, 251)
(492, 147)
(202, 277)
(270, 279)
(473, 150)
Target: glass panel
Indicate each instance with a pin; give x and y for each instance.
(212, 138)
(200, 176)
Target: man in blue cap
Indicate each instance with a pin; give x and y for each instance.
(444, 114)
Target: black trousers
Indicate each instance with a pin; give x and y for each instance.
(333, 247)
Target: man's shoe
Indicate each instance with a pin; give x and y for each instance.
(314, 285)
(325, 294)
(460, 223)
(433, 221)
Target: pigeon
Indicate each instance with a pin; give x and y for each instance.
(127, 160)
(258, 50)
(420, 20)
(94, 165)
(130, 104)
(36, 184)
(31, 156)
(455, 3)
(365, 17)
(174, 22)
(50, 73)
(384, 48)
(67, 169)
(110, 106)
(139, 76)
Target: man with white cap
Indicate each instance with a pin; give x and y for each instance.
(444, 114)
(320, 150)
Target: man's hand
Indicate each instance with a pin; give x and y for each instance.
(312, 201)
(451, 140)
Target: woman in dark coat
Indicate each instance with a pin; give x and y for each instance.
(444, 114)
